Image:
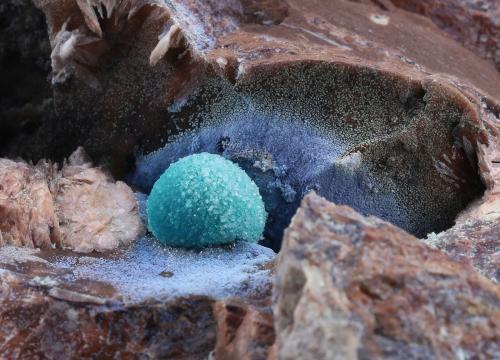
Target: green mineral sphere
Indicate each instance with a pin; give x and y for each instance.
(202, 200)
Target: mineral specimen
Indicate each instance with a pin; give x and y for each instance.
(77, 207)
(350, 287)
(204, 199)
(415, 118)
(119, 305)
(377, 83)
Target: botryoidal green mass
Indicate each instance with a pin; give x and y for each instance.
(204, 199)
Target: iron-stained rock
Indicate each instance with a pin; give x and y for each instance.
(353, 287)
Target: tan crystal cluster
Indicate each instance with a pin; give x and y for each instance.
(77, 207)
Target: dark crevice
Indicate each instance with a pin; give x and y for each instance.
(25, 92)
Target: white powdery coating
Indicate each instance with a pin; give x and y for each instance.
(136, 272)
(13, 255)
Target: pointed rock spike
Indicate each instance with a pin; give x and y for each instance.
(90, 16)
(171, 38)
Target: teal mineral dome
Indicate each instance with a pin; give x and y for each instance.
(202, 200)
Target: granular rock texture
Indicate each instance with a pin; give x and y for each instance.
(398, 126)
(244, 331)
(76, 207)
(105, 48)
(55, 323)
(147, 270)
(403, 118)
(139, 302)
(475, 237)
(353, 287)
(474, 23)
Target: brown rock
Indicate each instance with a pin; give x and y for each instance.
(355, 287)
(58, 304)
(39, 320)
(77, 207)
(243, 331)
(132, 75)
(412, 106)
(475, 238)
(379, 83)
(474, 23)
(97, 52)
(476, 242)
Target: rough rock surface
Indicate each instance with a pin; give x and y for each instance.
(135, 303)
(475, 238)
(474, 23)
(244, 332)
(353, 287)
(77, 207)
(56, 323)
(406, 103)
(390, 111)
(105, 48)
(170, 68)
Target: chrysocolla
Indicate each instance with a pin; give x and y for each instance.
(205, 199)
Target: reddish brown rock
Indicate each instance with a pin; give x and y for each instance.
(354, 287)
(26, 207)
(243, 331)
(133, 75)
(77, 207)
(39, 319)
(98, 52)
(475, 238)
(474, 23)
(412, 105)
(58, 304)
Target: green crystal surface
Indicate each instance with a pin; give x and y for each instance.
(204, 199)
